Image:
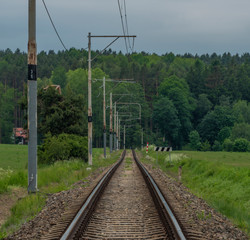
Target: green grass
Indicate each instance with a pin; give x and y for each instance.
(13, 157)
(221, 178)
(51, 179)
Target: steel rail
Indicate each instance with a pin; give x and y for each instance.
(167, 216)
(83, 214)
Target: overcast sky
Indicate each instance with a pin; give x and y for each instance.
(178, 26)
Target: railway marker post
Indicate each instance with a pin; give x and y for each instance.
(32, 100)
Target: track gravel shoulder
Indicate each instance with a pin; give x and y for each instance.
(56, 205)
(197, 212)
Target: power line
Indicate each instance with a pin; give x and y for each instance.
(54, 25)
(123, 28)
(126, 22)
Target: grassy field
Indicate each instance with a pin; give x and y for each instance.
(221, 178)
(13, 157)
(53, 178)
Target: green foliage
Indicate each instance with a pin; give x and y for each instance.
(6, 114)
(241, 110)
(59, 76)
(241, 130)
(177, 90)
(241, 145)
(217, 146)
(205, 146)
(165, 118)
(223, 134)
(62, 147)
(194, 140)
(214, 122)
(59, 114)
(196, 85)
(228, 145)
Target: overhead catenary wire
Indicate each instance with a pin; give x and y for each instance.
(53, 25)
(123, 27)
(126, 22)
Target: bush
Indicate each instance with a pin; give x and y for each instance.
(228, 145)
(217, 146)
(62, 147)
(241, 145)
(205, 146)
(194, 139)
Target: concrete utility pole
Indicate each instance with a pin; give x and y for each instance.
(124, 138)
(89, 105)
(142, 138)
(119, 134)
(117, 131)
(111, 129)
(115, 128)
(32, 100)
(104, 119)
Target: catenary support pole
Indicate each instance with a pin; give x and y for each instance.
(142, 138)
(124, 137)
(89, 104)
(32, 100)
(115, 127)
(104, 119)
(111, 127)
(117, 131)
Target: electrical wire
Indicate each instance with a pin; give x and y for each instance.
(126, 22)
(123, 28)
(53, 25)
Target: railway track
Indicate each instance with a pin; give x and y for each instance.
(125, 204)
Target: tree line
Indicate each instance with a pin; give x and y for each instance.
(195, 102)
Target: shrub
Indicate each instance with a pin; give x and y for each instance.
(228, 145)
(217, 146)
(194, 139)
(205, 146)
(241, 145)
(62, 147)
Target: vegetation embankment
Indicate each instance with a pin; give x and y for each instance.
(52, 178)
(221, 178)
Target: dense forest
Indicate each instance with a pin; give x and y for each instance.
(192, 102)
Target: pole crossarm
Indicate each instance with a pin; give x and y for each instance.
(124, 103)
(109, 36)
(112, 36)
(116, 80)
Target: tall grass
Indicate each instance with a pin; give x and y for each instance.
(223, 182)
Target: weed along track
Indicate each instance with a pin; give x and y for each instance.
(125, 204)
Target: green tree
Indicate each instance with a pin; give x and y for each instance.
(214, 121)
(59, 76)
(241, 130)
(58, 114)
(194, 140)
(177, 90)
(241, 145)
(6, 114)
(166, 119)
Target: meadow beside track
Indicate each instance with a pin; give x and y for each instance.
(51, 179)
(220, 178)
